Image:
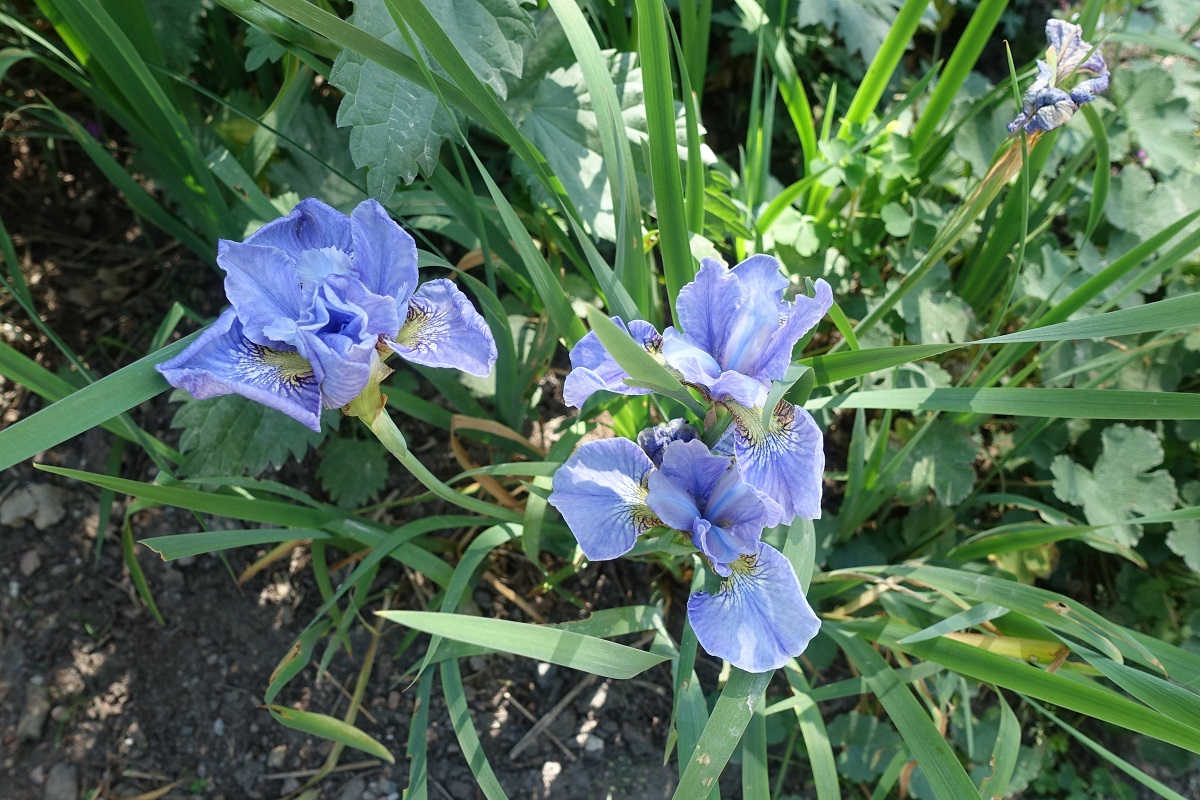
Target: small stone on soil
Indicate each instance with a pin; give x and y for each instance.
(353, 790)
(30, 561)
(33, 718)
(62, 783)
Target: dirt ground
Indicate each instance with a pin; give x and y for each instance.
(98, 700)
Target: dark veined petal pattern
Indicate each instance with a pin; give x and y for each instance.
(760, 618)
(594, 370)
(223, 361)
(443, 329)
(784, 461)
(601, 493)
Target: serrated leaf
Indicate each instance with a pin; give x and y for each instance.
(944, 461)
(353, 471)
(177, 29)
(1139, 205)
(318, 163)
(862, 24)
(230, 435)
(1184, 538)
(1158, 116)
(868, 745)
(399, 127)
(261, 48)
(1120, 485)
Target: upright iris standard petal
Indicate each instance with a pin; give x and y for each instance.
(760, 618)
(261, 283)
(223, 361)
(443, 329)
(594, 370)
(785, 460)
(704, 495)
(311, 225)
(385, 256)
(736, 331)
(601, 493)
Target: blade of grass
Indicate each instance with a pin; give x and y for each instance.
(721, 735)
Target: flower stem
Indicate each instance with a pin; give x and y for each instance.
(390, 437)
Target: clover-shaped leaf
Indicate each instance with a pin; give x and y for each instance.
(1120, 486)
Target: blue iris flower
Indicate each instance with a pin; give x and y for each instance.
(610, 492)
(1047, 103)
(318, 299)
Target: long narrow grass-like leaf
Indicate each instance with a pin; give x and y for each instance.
(1103, 174)
(721, 735)
(935, 756)
(678, 266)
(756, 780)
(88, 408)
(557, 646)
(328, 727)
(418, 735)
(464, 729)
(181, 545)
(642, 368)
(1057, 403)
(816, 737)
(1004, 753)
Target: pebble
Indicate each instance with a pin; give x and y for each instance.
(219, 727)
(593, 744)
(30, 561)
(62, 783)
(290, 785)
(41, 502)
(277, 756)
(33, 718)
(353, 790)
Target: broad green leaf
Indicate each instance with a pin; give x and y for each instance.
(559, 120)
(316, 161)
(230, 435)
(861, 24)
(353, 471)
(398, 126)
(177, 30)
(935, 316)
(1157, 113)
(1137, 203)
(556, 646)
(1120, 486)
(943, 461)
(329, 728)
(1184, 538)
(866, 744)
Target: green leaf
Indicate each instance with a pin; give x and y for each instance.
(230, 435)
(1139, 204)
(559, 120)
(316, 162)
(178, 30)
(976, 615)
(180, 545)
(897, 220)
(261, 48)
(1184, 538)
(1120, 486)
(935, 316)
(398, 126)
(329, 728)
(867, 745)
(742, 693)
(1064, 403)
(943, 461)
(556, 646)
(1158, 114)
(353, 470)
(862, 24)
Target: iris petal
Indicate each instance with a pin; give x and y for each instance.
(760, 618)
(385, 256)
(705, 306)
(311, 225)
(600, 492)
(443, 329)
(223, 361)
(594, 370)
(262, 285)
(784, 461)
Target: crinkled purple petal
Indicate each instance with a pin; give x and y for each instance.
(1087, 90)
(261, 284)
(696, 366)
(784, 462)
(443, 329)
(600, 492)
(385, 256)
(223, 361)
(760, 618)
(653, 440)
(311, 225)
(593, 369)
